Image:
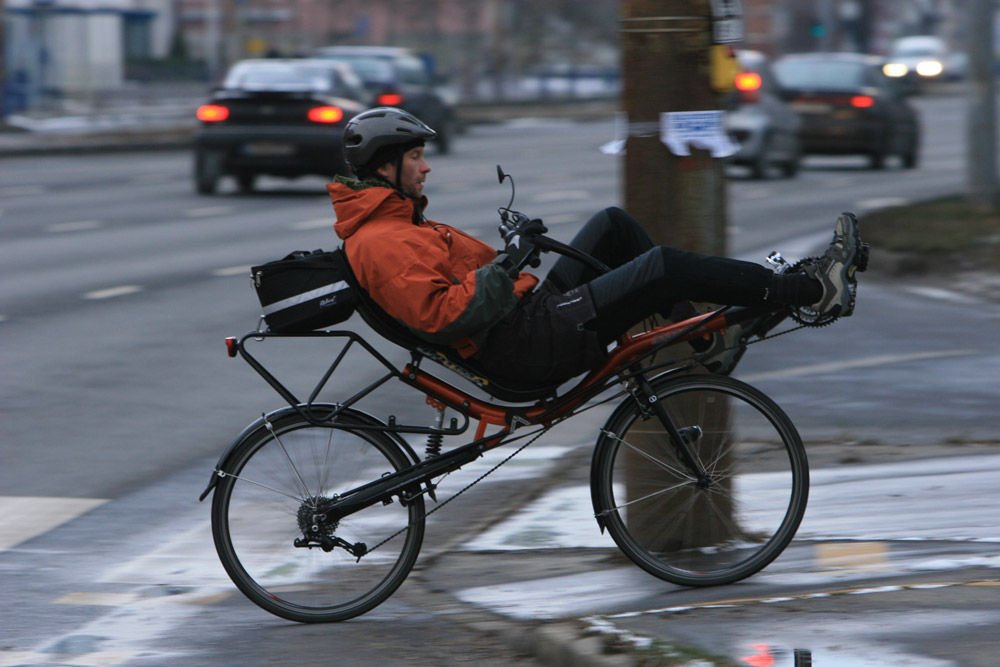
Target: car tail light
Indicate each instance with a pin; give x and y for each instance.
(748, 83)
(390, 99)
(862, 102)
(212, 113)
(327, 114)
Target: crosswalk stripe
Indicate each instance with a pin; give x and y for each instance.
(25, 517)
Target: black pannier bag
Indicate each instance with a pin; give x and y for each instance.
(305, 291)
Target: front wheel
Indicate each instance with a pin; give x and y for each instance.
(270, 530)
(714, 529)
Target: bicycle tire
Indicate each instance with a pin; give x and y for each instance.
(264, 503)
(695, 533)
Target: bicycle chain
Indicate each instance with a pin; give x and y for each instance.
(462, 490)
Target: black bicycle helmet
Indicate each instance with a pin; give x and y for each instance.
(372, 130)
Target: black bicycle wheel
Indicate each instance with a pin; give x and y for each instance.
(710, 531)
(267, 500)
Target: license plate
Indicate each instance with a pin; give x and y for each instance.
(268, 148)
(811, 107)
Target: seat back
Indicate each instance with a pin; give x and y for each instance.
(392, 330)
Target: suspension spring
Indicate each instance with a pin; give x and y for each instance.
(434, 440)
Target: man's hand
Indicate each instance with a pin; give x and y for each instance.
(520, 250)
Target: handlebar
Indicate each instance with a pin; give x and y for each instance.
(512, 224)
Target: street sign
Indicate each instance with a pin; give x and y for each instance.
(727, 21)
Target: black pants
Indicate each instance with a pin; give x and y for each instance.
(565, 326)
(647, 279)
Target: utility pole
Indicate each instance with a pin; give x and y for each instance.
(677, 191)
(666, 58)
(981, 138)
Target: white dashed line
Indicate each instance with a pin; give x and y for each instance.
(242, 270)
(21, 190)
(561, 195)
(867, 362)
(112, 292)
(318, 223)
(208, 211)
(940, 294)
(881, 202)
(77, 226)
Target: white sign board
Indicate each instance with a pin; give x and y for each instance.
(682, 130)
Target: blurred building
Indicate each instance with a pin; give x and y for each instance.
(81, 47)
(73, 48)
(786, 26)
(460, 35)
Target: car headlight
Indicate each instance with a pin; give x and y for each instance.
(895, 70)
(930, 68)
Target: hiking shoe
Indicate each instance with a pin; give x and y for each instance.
(836, 269)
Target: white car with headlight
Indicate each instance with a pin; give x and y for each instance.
(924, 58)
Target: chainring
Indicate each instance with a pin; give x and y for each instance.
(807, 316)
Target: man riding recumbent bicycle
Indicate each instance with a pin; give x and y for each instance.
(319, 508)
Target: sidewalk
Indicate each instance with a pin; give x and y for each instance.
(548, 582)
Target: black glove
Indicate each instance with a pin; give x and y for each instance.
(513, 223)
(520, 250)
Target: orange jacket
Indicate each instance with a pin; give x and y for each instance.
(440, 282)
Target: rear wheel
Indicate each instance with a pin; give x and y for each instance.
(710, 531)
(267, 508)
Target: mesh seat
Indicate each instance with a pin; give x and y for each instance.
(389, 328)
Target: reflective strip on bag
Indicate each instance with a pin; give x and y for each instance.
(305, 297)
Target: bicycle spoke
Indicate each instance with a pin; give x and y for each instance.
(646, 455)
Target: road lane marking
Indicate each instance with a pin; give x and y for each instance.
(881, 202)
(852, 555)
(242, 270)
(853, 590)
(315, 223)
(561, 195)
(112, 292)
(208, 211)
(940, 294)
(561, 218)
(865, 362)
(98, 599)
(25, 517)
(78, 226)
(21, 190)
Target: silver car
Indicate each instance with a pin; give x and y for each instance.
(761, 122)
